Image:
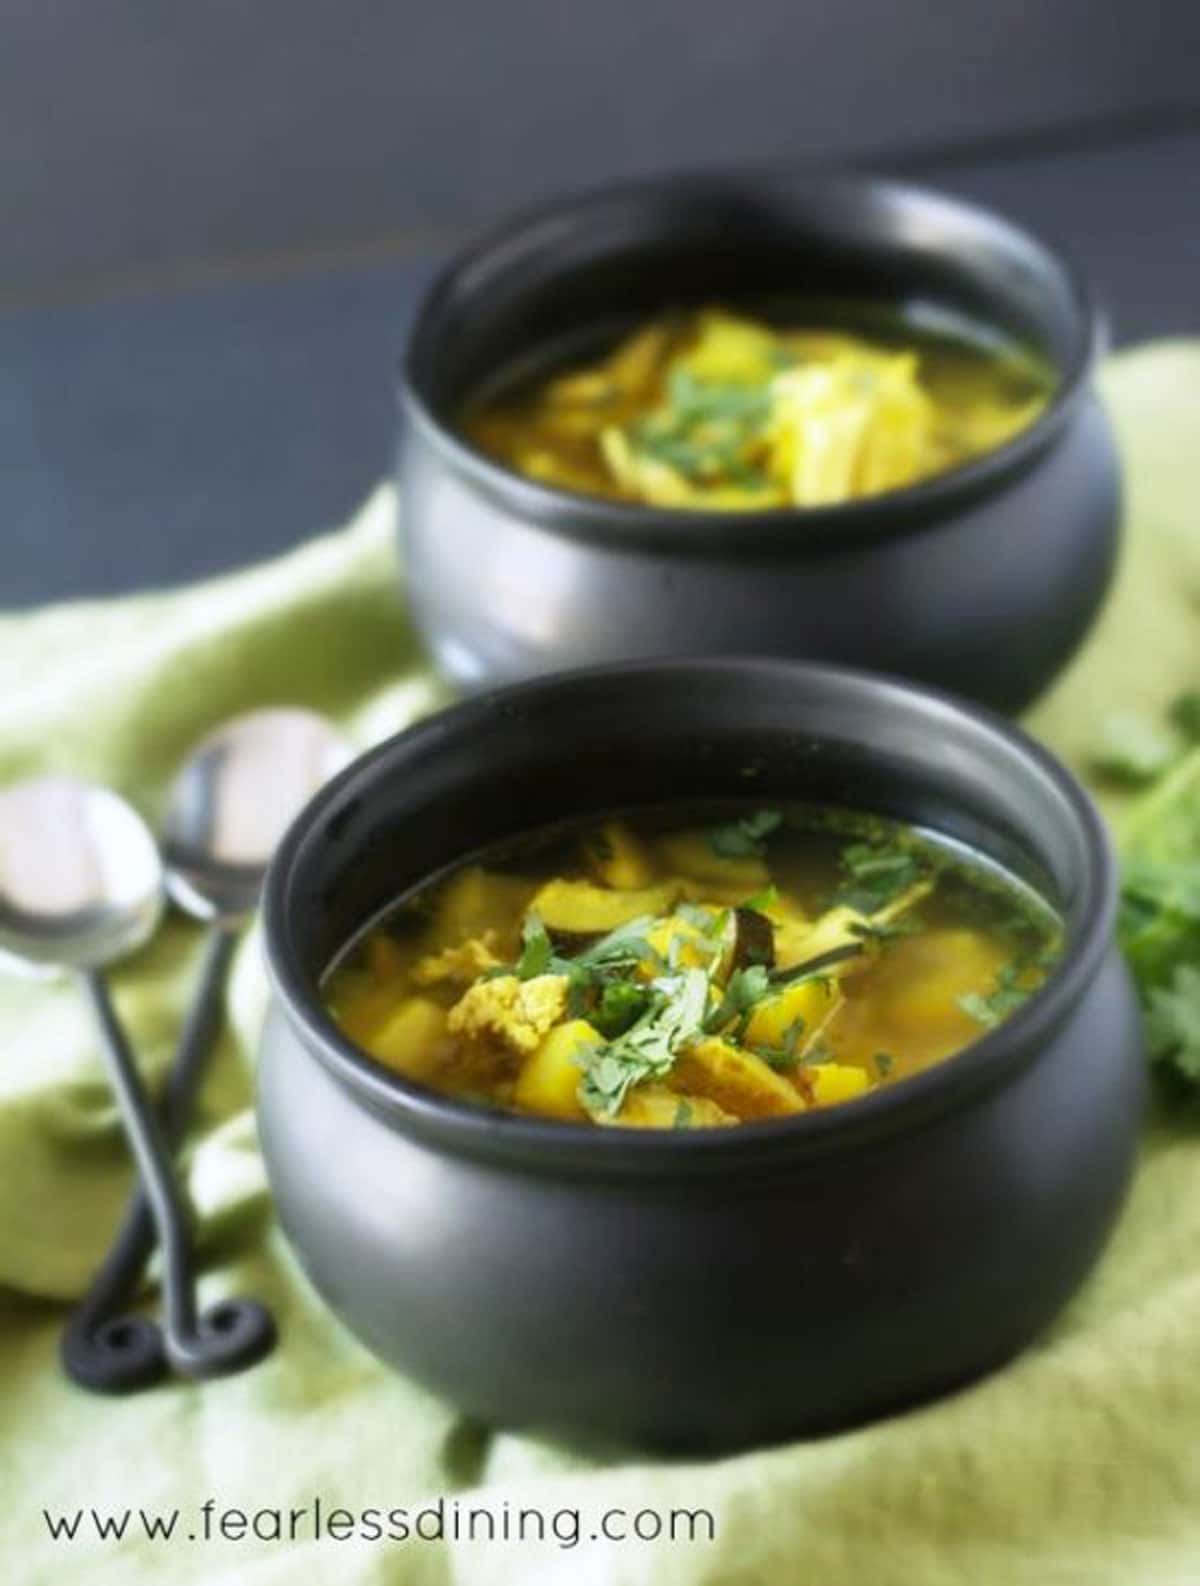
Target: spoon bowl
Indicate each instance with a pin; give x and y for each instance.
(233, 801)
(81, 881)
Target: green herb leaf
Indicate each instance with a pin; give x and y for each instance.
(621, 1002)
(884, 1063)
(788, 1053)
(1173, 1023)
(760, 902)
(746, 988)
(878, 872)
(625, 947)
(1134, 750)
(1185, 715)
(683, 1115)
(745, 838)
(536, 949)
(647, 1050)
(1005, 998)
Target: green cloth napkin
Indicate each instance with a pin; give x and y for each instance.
(1077, 1464)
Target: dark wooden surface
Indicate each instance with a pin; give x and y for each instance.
(153, 431)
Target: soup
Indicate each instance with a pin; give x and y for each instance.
(712, 410)
(652, 972)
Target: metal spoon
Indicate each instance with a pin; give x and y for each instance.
(229, 806)
(81, 885)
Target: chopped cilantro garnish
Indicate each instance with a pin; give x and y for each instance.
(625, 947)
(884, 1063)
(536, 949)
(877, 872)
(788, 1053)
(696, 914)
(647, 1050)
(746, 987)
(621, 1002)
(745, 838)
(1006, 997)
(1158, 925)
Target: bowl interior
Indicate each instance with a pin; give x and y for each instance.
(504, 765)
(593, 266)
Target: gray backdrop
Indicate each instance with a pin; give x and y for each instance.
(145, 136)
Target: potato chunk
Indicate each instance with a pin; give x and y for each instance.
(829, 1083)
(657, 1107)
(549, 1079)
(411, 1039)
(793, 1015)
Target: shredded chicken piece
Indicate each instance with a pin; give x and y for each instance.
(463, 963)
(518, 1013)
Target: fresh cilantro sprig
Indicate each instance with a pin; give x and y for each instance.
(1159, 931)
(789, 1053)
(647, 1050)
(1010, 990)
(876, 872)
(537, 950)
(746, 988)
(1173, 1024)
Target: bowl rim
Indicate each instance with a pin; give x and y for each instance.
(475, 1129)
(910, 510)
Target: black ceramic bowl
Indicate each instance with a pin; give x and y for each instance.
(983, 579)
(709, 1288)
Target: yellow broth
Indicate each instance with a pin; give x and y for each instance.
(652, 971)
(716, 410)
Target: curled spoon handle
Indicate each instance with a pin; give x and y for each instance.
(151, 1152)
(110, 1353)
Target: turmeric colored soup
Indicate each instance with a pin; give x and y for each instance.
(653, 971)
(715, 410)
